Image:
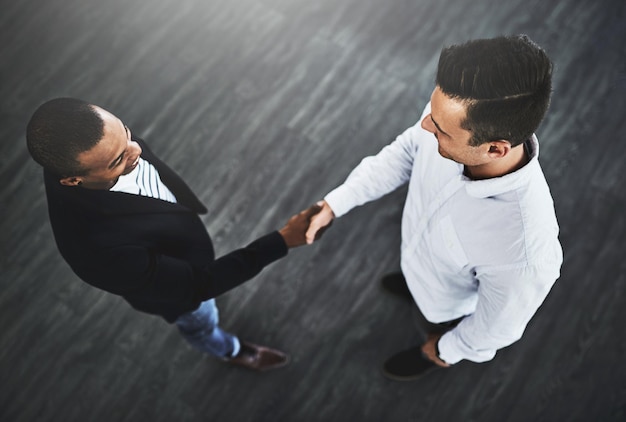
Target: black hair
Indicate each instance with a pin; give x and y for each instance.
(505, 82)
(59, 131)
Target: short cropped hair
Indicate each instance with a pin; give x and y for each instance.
(505, 82)
(59, 131)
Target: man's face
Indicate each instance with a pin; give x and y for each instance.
(444, 121)
(116, 154)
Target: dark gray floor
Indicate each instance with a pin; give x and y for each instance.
(264, 106)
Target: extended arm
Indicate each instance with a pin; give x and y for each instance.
(373, 178)
(159, 277)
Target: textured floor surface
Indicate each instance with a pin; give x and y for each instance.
(264, 106)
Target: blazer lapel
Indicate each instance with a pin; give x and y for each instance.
(184, 195)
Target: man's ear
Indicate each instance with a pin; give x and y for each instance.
(499, 149)
(71, 181)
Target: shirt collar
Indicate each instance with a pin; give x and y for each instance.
(509, 182)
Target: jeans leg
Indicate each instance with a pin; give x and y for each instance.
(200, 328)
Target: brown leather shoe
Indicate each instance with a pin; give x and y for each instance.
(259, 358)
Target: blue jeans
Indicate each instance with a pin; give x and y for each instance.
(201, 330)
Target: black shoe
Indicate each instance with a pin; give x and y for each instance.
(408, 365)
(395, 284)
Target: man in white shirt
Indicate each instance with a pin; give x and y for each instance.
(480, 248)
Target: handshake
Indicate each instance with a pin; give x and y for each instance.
(308, 225)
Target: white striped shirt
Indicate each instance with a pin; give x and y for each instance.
(144, 180)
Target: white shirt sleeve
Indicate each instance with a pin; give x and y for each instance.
(378, 175)
(507, 299)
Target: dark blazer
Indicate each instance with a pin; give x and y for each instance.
(155, 254)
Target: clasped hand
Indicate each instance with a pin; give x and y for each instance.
(308, 225)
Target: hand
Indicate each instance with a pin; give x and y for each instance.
(295, 229)
(322, 220)
(430, 351)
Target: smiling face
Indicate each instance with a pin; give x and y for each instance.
(114, 155)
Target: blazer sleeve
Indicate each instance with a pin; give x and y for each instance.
(157, 277)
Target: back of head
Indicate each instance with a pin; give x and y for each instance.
(506, 83)
(59, 131)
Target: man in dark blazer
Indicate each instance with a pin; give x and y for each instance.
(127, 224)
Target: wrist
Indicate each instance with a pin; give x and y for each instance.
(284, 233)
(437, 351)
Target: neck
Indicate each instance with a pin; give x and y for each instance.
(103, 185)
(513, 161)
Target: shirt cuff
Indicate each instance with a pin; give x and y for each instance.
(447, 351)
(452, 349)
(338, 200)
